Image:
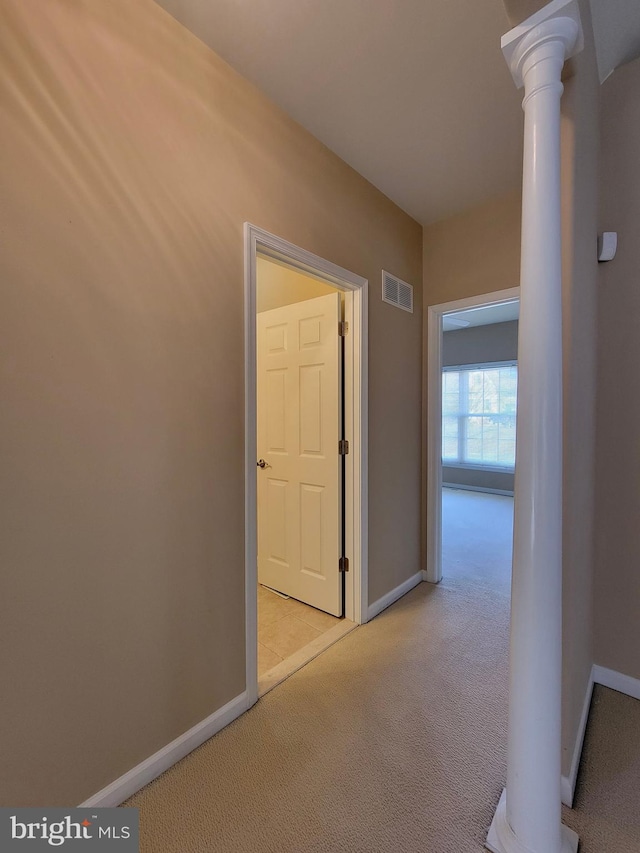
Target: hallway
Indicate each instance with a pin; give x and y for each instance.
(393, 740)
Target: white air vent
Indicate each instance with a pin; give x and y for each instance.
(397, 292)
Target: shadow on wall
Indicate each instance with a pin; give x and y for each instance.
(132, 157)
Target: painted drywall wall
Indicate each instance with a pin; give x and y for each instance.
(519, 10)
(473, 253)
(579, 165)
(132, 156)
(478, 252)
(617, 579)
(475, 345)
(277, 285)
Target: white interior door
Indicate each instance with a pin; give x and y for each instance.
(299, 427)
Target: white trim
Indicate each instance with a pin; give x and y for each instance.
(607, 678)
(434, 446)
(433, 431)
(568, 783)
(617, 681)
(517, 44)
(502, 839)
(509, 294)
(391, 597)
(567, 790)
(257, 241)
(148, 770)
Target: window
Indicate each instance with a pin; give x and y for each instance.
(479, 415)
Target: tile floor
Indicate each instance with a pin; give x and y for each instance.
(285, 626)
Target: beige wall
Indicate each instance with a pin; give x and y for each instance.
(277, 285)
(579, 273)
(478, 252)
(473, 253)
(132, 156)
(518, 10)
(617, 579)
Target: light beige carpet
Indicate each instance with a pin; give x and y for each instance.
(393, 740)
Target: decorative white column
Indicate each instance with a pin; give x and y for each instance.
(528, 818)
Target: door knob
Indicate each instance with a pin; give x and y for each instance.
(261, 463)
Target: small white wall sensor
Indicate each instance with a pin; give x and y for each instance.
(607, 245)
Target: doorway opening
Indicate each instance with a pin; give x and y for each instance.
(472, 411)
(305, 465)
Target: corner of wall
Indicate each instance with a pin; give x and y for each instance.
(579, 143)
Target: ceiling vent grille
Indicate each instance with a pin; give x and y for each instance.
(397, 292)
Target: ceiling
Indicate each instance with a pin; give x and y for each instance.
(414, 94)
(616, 26)
(485, 315)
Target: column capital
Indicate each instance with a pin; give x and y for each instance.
(558, 21)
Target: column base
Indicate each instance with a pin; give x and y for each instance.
(501, 838)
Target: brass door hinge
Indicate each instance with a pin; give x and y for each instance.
(343, 564)
(343, 328)
(343, 447)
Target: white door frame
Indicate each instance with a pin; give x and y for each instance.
(435, 314)
(260, 242)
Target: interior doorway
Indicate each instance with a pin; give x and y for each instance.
(299, 433)
(472, 410)
(305, 456)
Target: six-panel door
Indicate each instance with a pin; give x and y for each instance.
(299, 419)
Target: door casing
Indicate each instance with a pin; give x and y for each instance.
(260, 242)
(432, 434)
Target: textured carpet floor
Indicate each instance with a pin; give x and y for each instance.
(393, 740)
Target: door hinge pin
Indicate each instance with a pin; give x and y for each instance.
(343, 447)
(343, 328)
(343, 564)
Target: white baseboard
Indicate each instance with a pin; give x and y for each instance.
(567, 790)
(608, 678)
(501, 838)
(148, 770)
(568, 783)
(391, 597)
(427, 579)
(617, 681)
